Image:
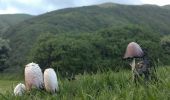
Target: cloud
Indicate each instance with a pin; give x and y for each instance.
(41, 6)
(22, 6)
(157, 2)
(9, 11)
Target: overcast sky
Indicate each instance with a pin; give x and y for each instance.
(36, 7)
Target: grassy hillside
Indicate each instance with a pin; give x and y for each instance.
(84, 19)
(8, 20)
(100, 86)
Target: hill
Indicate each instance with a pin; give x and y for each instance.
(83, 19)
(8, 20)
(166, 7)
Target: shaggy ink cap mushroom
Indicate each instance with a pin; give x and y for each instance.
(133, 50)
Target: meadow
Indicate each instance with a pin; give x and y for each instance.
(100, 86)
(87, 39)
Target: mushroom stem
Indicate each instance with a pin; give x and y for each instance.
(133, 67)
(133, 64)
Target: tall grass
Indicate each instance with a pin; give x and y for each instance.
(11, 76)
(104, 86)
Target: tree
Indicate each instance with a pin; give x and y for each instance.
(165, 44)
(4, 53)
(90, 52)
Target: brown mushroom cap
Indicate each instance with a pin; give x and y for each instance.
(133, 50)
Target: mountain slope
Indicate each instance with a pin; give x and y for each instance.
(84, 19)
(8, 20)
(166, 7)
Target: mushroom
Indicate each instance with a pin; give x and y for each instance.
(50, 80)
(33, 76)
(133, 51)
(19, 89)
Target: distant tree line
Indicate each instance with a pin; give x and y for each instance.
(72, 54)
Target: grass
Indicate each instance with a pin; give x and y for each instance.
(100, 86)
(6, 85)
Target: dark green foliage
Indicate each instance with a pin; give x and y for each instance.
(165, 44)
(4, 53)
(8, 20)
(79, 53)
(69, 54)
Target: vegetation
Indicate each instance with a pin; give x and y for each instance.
(88, 43)
(165, 44)
(6, 22)
(4, 53)
(101, 86)
(6, 85)
(166, 7)
(9, 20)
(83, 20)
(75, 53)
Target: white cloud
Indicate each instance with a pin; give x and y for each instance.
(27, 2)
(10, 10)
(24, 6)
(157, 2)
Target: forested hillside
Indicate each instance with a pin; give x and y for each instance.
(9, 20)
(167, 7)
(87, 19)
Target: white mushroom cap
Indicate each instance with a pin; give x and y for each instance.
(50, 80)
(33, 76)
(133, 50)
(19, 89)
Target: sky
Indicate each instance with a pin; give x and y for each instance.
(36, 7)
